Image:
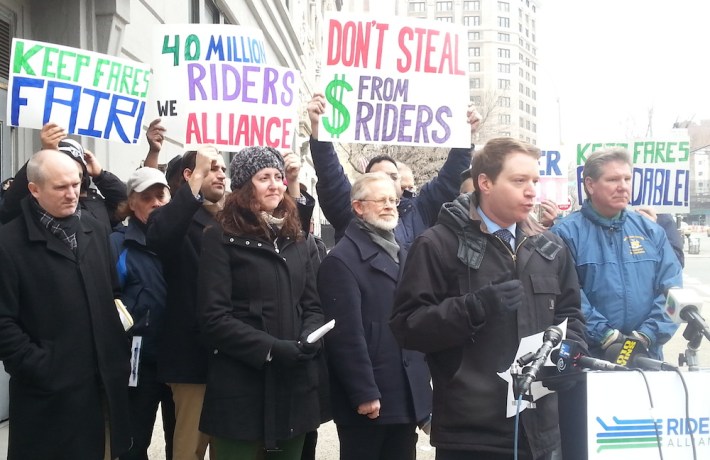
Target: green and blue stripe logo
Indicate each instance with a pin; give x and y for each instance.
(629, 434)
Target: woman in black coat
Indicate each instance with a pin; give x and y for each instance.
(258, 303)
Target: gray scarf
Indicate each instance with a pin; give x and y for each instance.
(65, 229)
(382, 238)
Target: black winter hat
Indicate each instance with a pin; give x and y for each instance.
(250, 161)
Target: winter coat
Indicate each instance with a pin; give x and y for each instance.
(62, 342)
(416, 214)
(251, 293)
(459, 256)
(143, 288)
(356, 283)
(175, 234)
(625, 267)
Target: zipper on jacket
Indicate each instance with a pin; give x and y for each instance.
(513, 255)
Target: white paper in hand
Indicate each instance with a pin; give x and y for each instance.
(320, 332)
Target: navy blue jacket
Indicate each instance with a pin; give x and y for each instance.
(416, 214)
(356, 284)
(143, 288)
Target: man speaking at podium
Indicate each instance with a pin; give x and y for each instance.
(624, 261)
(482, 278)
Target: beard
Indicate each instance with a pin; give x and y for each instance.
(384, 224)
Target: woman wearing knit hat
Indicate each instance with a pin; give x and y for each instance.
(258, 303)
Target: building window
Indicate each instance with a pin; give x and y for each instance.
(520, 71)
(503, 37)
(534, 111)
(476, 100)
(504, 101)
(444, 6)
(472, 5)
(521, 105)
(503, 53)
(474, 35)
(504, 119)
(527, 91)
(474, 51)
(474, 66)
(522, 122)
(534, 128)
(445, 19)
(503, 83)
(534, 95)
(521, 88)
(527, 108)
(206, 12)
(505, 133)
(417, 7)
(503, 6)
(503, 68)
(472, 21)
(475, 83)
(503, 22)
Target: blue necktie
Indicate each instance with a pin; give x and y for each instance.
(505, 235)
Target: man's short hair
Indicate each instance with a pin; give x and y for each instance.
(379, 159)
(490, 159)
(35, 171)
(362, 183)
(596, 161)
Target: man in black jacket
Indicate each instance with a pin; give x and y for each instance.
(175, 234)
(378, 391)
(61, 339)
(476, 283)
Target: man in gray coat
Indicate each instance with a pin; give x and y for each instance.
(61, 339)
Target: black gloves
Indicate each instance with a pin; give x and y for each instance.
(290, 353)
(493, 299)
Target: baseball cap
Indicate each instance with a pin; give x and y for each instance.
(142, 178)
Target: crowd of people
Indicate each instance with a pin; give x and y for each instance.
(225, 283)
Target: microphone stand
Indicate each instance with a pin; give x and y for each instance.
(694, 335)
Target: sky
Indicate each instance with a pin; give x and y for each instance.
(609, 62)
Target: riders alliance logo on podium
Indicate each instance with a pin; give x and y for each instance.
(629, 434)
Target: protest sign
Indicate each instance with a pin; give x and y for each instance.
(86, 93)
(660, 175)
(395, 81)
(214, 84)
(554, 178)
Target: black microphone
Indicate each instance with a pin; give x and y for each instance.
(570, 358)
(632, 354)
(690, 314)
(550, 339)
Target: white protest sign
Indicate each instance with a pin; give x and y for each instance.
(214, 84)
(660, 174)
(86, 93)
(395, 81)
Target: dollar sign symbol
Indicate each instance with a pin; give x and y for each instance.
(340, 119)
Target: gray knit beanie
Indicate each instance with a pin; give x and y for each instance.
(250, 161)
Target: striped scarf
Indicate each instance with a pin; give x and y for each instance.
(65, 229)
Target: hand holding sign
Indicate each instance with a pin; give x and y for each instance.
(51, 135)
(316, 108)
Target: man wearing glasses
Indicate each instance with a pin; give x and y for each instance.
(379, 392)
(416, 213)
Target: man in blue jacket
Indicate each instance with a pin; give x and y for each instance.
(624, 261)
(416, 213)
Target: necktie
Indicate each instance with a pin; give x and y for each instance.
(505, 235)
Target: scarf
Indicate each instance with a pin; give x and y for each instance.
(65, 228)
(382, 238)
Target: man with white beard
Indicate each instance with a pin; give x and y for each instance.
(379, 392)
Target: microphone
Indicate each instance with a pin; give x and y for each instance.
(550, 339)
(633, 355)
(683, 306)
(569, 358)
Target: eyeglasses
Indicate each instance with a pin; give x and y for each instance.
(384, 201)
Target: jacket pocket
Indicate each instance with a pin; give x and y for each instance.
(546, 289)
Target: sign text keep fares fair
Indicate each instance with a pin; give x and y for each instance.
(86, 93)
(400, 81)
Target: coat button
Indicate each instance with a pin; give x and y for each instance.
(215, 351)
(284, 259)
(277, 251)
(258, 244)
(231, 240)
(247, 243)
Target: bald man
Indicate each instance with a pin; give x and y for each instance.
(61, 339)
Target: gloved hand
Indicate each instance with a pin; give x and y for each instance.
(287, 353)
(492, 299)
(309, 349)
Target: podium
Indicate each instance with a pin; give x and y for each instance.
(608, 416)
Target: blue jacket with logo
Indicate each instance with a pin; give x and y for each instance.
(625, 267)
